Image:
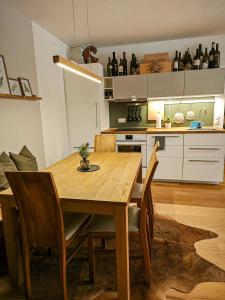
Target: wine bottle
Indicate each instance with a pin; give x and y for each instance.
(121, 68)
(133, 65)
(205, 61)
(180, 63)
(216, 62)
(114, 65)
(211, 56)
(200, 54)
(196, 65)
(124, 62)
(176, 62)
(109, 68)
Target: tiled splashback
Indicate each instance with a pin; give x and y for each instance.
(120, 110)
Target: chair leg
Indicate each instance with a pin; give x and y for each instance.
(146, 252)
(26, 258)
(91, 258)
(62, 262)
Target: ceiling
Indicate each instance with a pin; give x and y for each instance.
(114, 22)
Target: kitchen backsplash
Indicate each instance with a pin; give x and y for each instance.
(120, 110)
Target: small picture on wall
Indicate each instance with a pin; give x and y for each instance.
(15, 87)
(25, 87)
(4, 84)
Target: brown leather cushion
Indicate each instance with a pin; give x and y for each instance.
(73, 222)
(102, 223)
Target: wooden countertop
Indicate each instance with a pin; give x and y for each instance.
(152, 130)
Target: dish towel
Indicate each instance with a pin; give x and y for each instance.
(161, 140)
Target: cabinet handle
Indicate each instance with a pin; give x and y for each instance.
(167, 136)
(202, 160)
(196, 148)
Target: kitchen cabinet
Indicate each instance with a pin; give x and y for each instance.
(87, 112)
(125, 87)
(169, 84)
(204, 82)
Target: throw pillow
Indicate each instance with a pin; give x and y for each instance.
(25, 160)
(6, 164)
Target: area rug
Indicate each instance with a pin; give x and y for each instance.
(175, 264)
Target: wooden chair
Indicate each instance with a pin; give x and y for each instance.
(42, 222)
(138, 224)
(105, 143)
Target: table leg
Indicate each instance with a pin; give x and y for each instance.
(122, 252)
(139, 177)
(12, 243)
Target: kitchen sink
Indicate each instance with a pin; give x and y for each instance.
(202, 129)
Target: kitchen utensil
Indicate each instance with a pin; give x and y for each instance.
(190, 115)
(196, 124)
(136, 113)
(129, 116)
(139, 114)
(178, 118)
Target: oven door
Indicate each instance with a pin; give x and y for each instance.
(134, 147)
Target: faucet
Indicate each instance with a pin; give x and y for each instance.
(200, 114)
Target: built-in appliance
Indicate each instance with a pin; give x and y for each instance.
(133, 143)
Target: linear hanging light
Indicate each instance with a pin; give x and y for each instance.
(73, 66)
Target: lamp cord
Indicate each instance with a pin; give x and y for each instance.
(88, 31)
(74, 23)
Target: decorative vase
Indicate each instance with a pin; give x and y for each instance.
(167, 125)
(84, 164)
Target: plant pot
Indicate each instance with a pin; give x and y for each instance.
(167, 125)
(84, 164)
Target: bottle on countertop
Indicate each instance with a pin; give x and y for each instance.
(124, 62)
(196, 64)
(211, 56)
(180, 63)
(200, 54)
(114, 65)
(121, 68)
(176, 62)
(109, 68)
(205, 61)
(216, 62)
(133, 65)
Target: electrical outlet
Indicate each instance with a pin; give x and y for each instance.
(121, 120)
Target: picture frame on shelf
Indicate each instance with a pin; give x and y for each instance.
(15, 88)
(4, 83)
(25, 87)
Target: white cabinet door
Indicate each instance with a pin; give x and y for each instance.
(207, 139)
(204, 82)
(125, 87)
(204, 151)
(169, 84)
(170, 139)
(169, 168)
(203, 169)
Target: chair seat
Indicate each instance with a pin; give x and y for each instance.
(73, 222)
(103, 223)
(137, 192)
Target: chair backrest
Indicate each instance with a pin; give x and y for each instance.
(105, 143)
(39, 208)
(147, 205)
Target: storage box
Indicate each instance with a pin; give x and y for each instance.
(149, 58)
(166, 66)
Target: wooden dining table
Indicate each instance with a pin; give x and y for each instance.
(106, 191)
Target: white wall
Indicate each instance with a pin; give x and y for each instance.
(51, 88)
(20, 121)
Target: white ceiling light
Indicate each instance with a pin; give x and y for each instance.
(73, 66)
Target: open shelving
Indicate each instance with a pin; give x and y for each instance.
(30, 98)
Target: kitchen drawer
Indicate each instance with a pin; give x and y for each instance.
(170, 139)
(169, 151)
(131, 137)
(204, 139)
(205, 169)
(204, 151)
(169, 168)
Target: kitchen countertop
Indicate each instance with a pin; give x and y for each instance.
(152, 130)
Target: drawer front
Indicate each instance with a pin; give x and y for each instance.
(169, 168)
(131, 137)
(204, 151)
(170, 139)
(204, 139)
(170, 151)
(205, 170)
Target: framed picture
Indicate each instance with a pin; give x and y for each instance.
(4, 83)
(25, 87)
(15, 87)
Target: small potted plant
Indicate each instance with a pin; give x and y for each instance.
(84, 163)
(167, 123)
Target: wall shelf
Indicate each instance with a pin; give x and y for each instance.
(32, 98)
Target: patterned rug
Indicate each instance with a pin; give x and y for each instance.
(175, 264)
